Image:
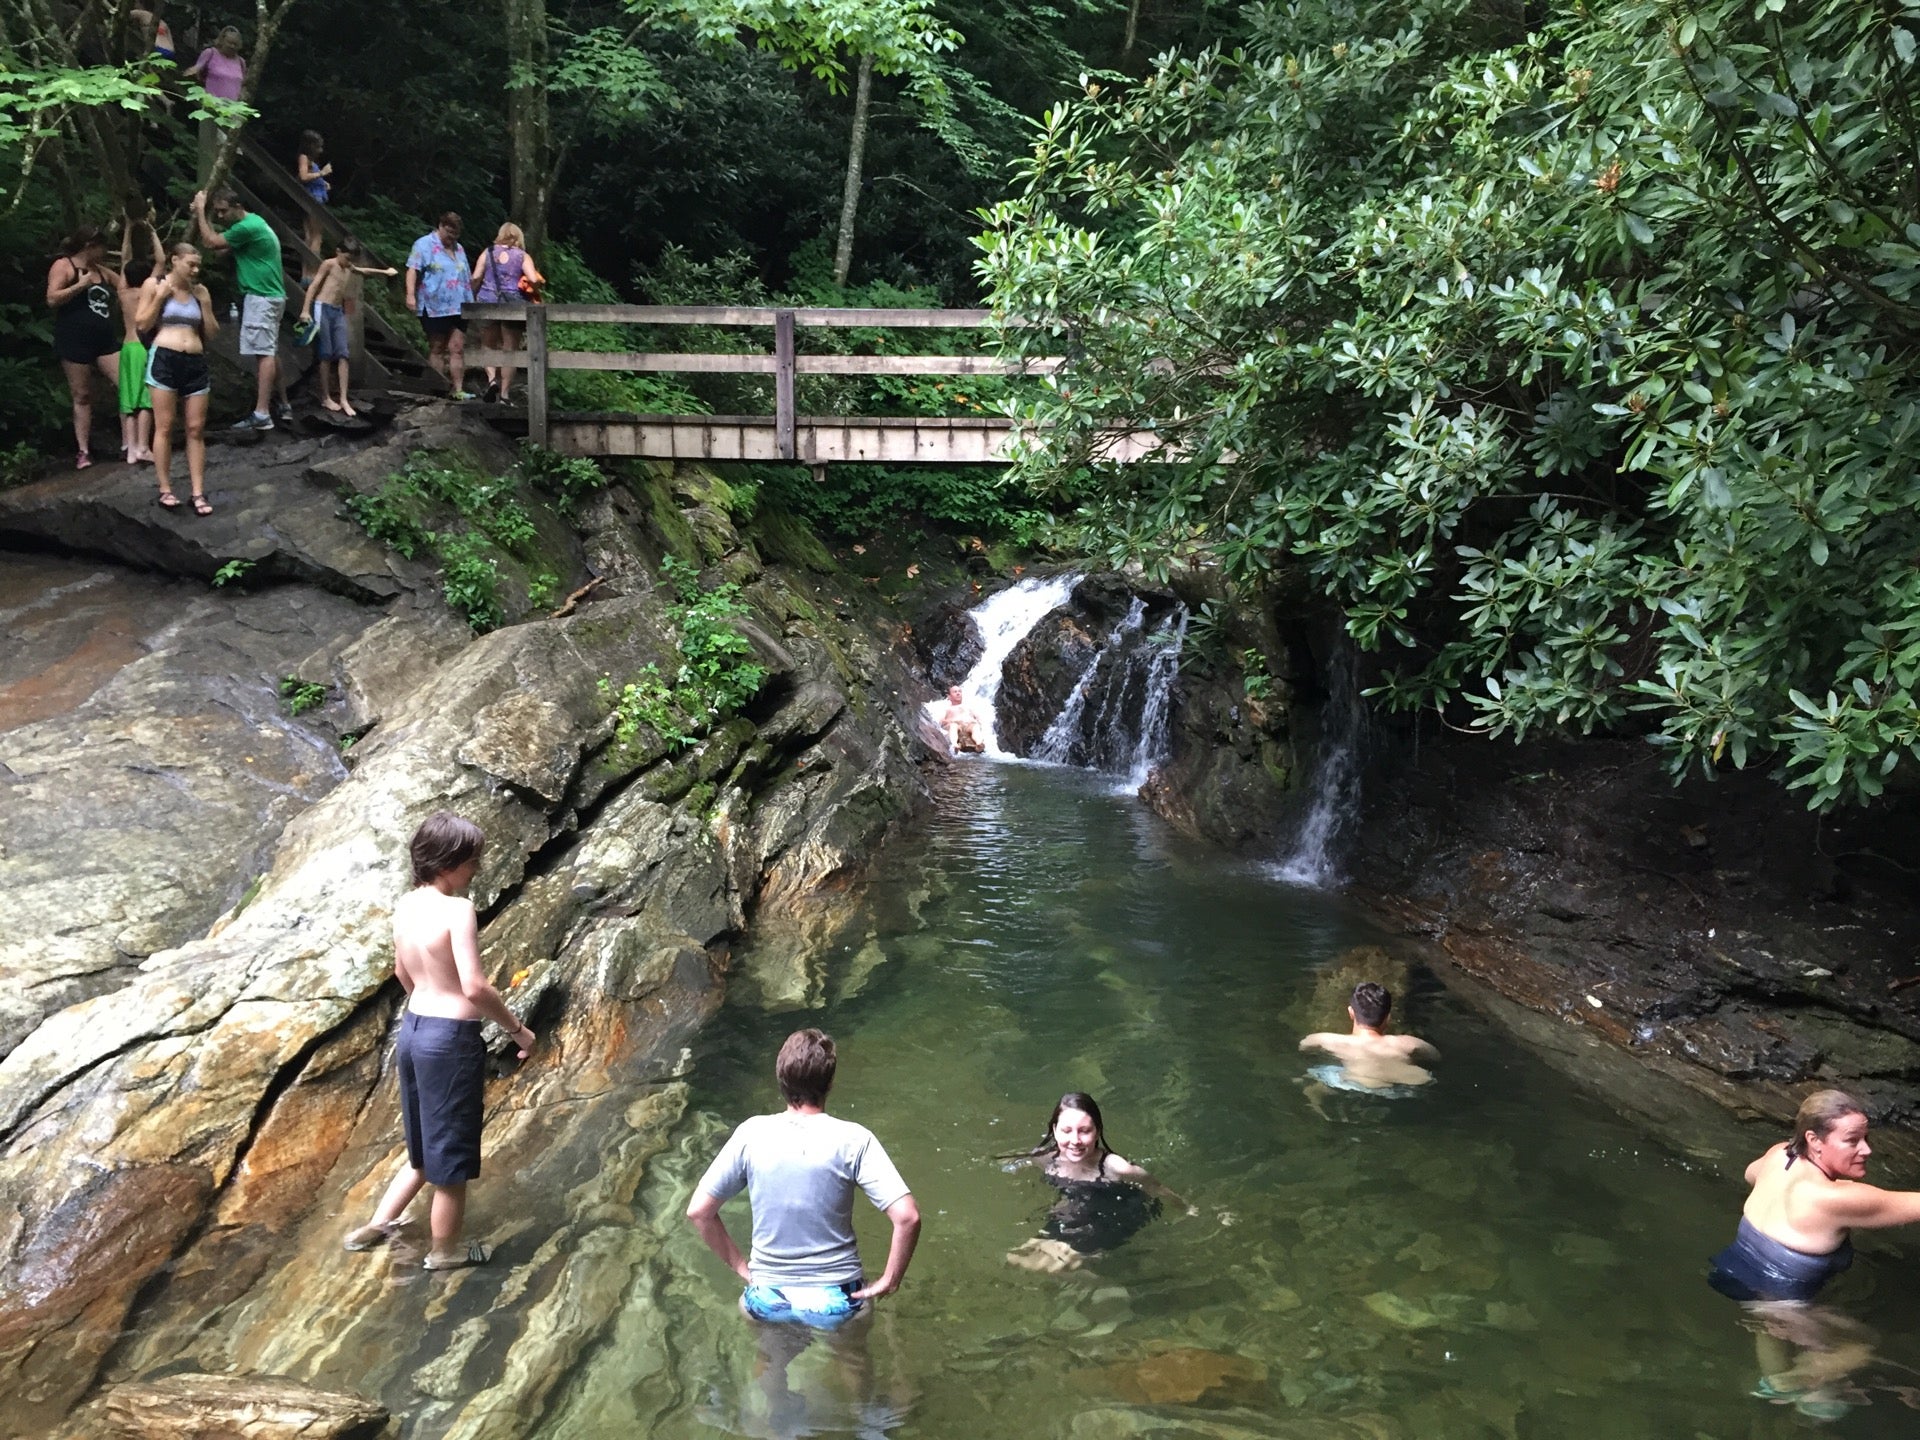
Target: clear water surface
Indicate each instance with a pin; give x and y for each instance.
(1503, 1256)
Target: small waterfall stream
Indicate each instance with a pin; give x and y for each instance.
(1131, 674)
(1004, 621)
(1334, 786)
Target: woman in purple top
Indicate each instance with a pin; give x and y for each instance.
(501, 276)
(221, 73)
(220, 70)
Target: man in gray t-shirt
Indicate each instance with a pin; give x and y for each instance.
(800, 1169)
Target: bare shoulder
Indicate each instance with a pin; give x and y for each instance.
(1121, 1166)
(1321, 1040)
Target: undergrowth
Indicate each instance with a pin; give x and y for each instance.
(715, 677)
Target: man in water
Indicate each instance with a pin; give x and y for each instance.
(1371, 1059)
(961, 724)
(800, 1169)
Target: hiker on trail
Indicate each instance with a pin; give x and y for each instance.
(263, 296)
(441, 1056)
(136, 400)
(326, 306)
(221, 73)
(313, 171)
(439, 286)
(504, 275)
(80, 291)
(801, 1169)
(178, 312)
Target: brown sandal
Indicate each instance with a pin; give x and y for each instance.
(201, 506)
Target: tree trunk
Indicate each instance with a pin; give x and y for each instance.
(267, 18)
(1133, 29)
(529, 124)
(856, 156)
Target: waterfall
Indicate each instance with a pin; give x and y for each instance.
(1057, 745)
(1004, 621)
(1333, 791)
(1155, 717)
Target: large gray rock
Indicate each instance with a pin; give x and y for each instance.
(148, 759)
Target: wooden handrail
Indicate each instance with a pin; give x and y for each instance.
(783, 363)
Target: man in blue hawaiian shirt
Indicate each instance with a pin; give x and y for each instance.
(439, 283)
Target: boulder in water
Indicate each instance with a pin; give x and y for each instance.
(948, 643)
(1182, 1375)
(236, 1407)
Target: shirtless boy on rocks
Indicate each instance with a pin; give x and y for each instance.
(1371, 1059)
(441, 1056)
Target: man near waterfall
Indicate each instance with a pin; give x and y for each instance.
(961, 725)
(1369, 1058)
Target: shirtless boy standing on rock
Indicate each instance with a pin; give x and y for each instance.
(1371, 1059)
(441, 1056)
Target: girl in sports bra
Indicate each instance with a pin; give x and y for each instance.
(80, 291)
(181, 312)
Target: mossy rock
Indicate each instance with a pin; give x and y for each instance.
(1333, 986)
(785, 538)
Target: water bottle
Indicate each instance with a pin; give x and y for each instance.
(233, 312)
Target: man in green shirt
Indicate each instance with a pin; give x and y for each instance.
(263, 295)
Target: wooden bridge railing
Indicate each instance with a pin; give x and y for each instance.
(782, 362)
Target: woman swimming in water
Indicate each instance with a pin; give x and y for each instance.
(1105, 1199)
(1809, 1194)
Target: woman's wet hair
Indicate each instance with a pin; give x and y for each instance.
(1372, 1004)
(311, 145)
(444, 842)
(80, 239)
(179, 248)
(1087, 1106)
(805, 1067)
(1819, 1113)
(511, 234)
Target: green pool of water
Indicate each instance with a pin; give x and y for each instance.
(1501, 1256)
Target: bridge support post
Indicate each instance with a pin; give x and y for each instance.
(537, 375)
(783, 383)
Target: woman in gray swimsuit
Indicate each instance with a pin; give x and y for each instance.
(179, 308)
(1808, 1195)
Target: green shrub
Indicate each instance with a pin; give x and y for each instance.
(232, 573)
(391, 515)
(300, 696)
(470, 579)
(570, 479)
(714, 678)
(19, 465)
(543, 589)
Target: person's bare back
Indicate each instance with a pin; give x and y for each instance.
(1369, 1058)
(432, 934)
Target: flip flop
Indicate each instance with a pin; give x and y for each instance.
(477, 1254)
(167, 500)
(201, 506)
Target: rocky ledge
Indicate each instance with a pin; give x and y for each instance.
(186, 1127)
(1715, 931)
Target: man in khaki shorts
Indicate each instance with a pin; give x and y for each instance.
(263, 296)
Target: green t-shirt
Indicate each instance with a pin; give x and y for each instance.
(256, 256)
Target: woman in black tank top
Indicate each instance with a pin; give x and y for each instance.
(86, 337)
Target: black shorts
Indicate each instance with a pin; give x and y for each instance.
(443, 1077)
(178, 371)
(84, 347)
(439, 327)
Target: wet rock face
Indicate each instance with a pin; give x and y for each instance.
(1689, 925)
(1039, 676)
(149, 758)
(236, 1407)
(948, 644)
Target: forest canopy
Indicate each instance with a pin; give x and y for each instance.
(1574, 358)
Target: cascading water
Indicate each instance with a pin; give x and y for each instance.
(1004, 621)
(1157, 714)
(1058, 744)
(1116, 718)
(1334, 788)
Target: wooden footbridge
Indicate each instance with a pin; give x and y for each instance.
(815, 440)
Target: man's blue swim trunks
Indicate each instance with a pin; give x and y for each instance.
(823, 1307)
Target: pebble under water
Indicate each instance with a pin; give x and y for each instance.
(1501, 1256)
